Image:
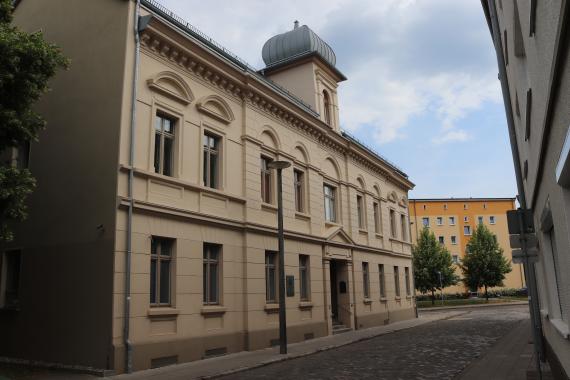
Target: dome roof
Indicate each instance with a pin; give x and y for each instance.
(295, 43)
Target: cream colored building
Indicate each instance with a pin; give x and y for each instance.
(453, 220)
(531, 43)
(199, 231)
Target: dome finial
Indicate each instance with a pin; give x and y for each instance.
(296, 24)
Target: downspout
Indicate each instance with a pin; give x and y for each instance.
(530, 269)
(127, 301)
(412, 254)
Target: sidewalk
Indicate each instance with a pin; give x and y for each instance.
(440, 308)
(211, 368)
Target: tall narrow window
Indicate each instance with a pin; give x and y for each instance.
(270, 277)
(211, 161)
(407, 274)
(365, 280)
(330, 203)
(466, 230)
(397, 281)
(160, 271)
(299, 183)
(452, 221)
(393, 223)
(491, 219)
(164, 145)
(304, 278)
(382, 279)
(360, 212)
(327, 107)
(425, 222)
(480, 220)
(528, 114)
(10, 266)
(377, 220)
(453, 239)
(211, 274)
(404, 222)
(266, 180)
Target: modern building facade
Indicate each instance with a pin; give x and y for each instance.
(453, 220)
(531, 40)
(152, 238)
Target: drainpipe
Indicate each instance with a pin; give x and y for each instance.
(127, 301)
(529, 267)
(412, 254)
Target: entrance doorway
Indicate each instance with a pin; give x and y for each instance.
(334, 290)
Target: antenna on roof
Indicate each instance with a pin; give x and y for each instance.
(296, 24)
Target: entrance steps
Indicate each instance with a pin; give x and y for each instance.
(339, 328)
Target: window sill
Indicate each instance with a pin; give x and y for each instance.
(269, 207)
(305, 305)
(383, 299)
(398, 298)
(302, 215)
(271, 308)
(362, 232)
(331, 224)
(408, 297)
(208, 310)
(378, 235)
(158, 312)
(559, 325)
(400, 241)
(367, 301)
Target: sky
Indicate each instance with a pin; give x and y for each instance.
(422, 86)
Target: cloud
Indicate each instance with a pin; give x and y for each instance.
(451, 136)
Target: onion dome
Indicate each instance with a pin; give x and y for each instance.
(294, 44)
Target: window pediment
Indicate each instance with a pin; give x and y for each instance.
(215, 106)
(171, 85)
(392, 197)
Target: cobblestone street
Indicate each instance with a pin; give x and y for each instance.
(438, 350)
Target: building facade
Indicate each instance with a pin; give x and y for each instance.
(531, 43)
(151, 239)
(453, 220)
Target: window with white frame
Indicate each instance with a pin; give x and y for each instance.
(299, 185)
(491, 219)
(164, 145)
(455, 259)
(377, 218)
(161, 271)
(452, 221)
(441, 240)
(304, 278)
(479, 220)
(211, 274)
(211, 175)
(466, 219)
(465, 206)
(266, 180)
(425, 222)
(453, 239)
(360, 212)
(330, 203)
(10, 269)
(466, 230)
(271, 277)
(439, 221)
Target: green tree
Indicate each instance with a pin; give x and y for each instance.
(27, 62)
(484, 264)
(430, 259)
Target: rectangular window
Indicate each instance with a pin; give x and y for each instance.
(164, 145)
(270, 277)
(425, 222)
(10, 266)
(365, 280)
(441, 240)
(304, 278)
(377, 220)
(397, 281)
(360, 212)
(466, 230)
(266, 181)
(439, 221)
(465, 206)
(160, 271)
(382, 279)
(455, 259)
(393, 223)
(299, 184)
(211, 161)
(330, 203)
(407, 274)
(445, 206)
(453, 239)
(466, 219)
(480, 220)
(452, 221)
(211, 274)
(404, 222)
(491, 220)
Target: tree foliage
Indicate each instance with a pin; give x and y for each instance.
(431, 258)
(27, 62)
(484, 265)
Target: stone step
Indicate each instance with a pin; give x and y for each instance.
(339, 329)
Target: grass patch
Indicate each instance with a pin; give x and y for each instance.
(469, 301)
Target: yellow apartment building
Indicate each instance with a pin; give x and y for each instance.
(152, 236)
(453, 220)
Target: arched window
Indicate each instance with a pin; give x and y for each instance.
(327, 102)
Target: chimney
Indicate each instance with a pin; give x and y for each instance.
(296, 24)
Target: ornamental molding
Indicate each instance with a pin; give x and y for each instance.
(215, 106)
(159, 45)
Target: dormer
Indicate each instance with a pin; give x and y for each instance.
(300, 61)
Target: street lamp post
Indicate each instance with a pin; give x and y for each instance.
(440, 285)
(280, 165)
